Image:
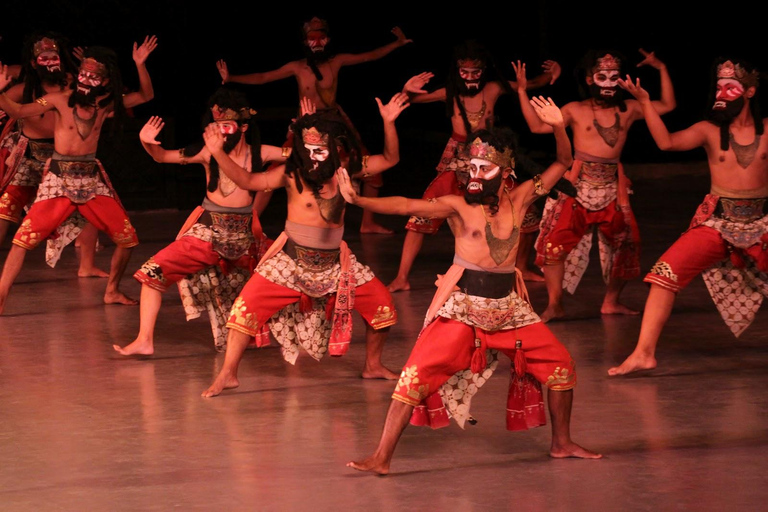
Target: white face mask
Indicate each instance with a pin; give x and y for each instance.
(608, 80)
(50, 60)
(317, 41)
(728, 89)
(318, 153)
(483, 169)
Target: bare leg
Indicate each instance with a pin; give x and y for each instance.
(553, 277)
(658, 307)
(11, 269)
(149, 307)
(560, 404)
(523, 255)
(374, 345)
(113, 295)
(261, 201)
(411, 247)
(227, 377)
(368, 224)
(88, 239)
(398, 416)
(611, 304)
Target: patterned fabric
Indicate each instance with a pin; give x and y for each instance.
(567, 228)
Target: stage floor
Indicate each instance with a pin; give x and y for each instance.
(84, 428)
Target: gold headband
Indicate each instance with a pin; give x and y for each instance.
(484, 151)
(44, 45)
(734, 71)
(222, 114)
(314, 137)
(93, 66)
(606, 62)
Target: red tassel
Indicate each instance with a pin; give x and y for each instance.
(737, 259)
(305, 303)
(479, 361)
(520, 364)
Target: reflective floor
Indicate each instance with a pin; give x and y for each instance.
(82, 428)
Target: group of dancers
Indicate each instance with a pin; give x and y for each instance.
(300, 289)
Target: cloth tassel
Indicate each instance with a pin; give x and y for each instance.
(520, 364)
(479, 360)
(431, 412)
(525, 403)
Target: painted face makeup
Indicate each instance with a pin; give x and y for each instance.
(317, 152)
(728, 90)
(607, 80)
(49, 60)
(317, 40)
(227, 127)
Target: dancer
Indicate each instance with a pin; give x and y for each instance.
(74, 181)
(599, 126)
(219, 245)
(317, 76)
(481, 306)
(474, 86)
(306, 286)
(727, 240)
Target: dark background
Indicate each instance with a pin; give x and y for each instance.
(261, 36)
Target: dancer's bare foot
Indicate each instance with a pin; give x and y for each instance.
(399, 284)
(91, 272)
(375, 229)
(636, 361)
(136, 347)
(617, 308)
(552, 313)
(222, 382)
(119, 298)
(572, 450)
(530, 275)
(379, 372)
(372, 464)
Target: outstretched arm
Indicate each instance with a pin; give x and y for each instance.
(684, 140)
(667, 102)
(550, 114)
(146, 92)
(285, 71)
(394, 205)
(148, 137)
(551, 72)
(391, 152)
(17, 110)
(267, 180)
(533, 120)
(414, 88)
(349, 59)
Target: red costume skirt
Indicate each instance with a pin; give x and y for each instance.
(13, 201)
(260, 298)
(695, 251)
(446, 346)
(104, 212)
(185, 256)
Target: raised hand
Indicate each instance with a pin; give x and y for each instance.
(150, 130)
(547, 111)
(391, 110)
(634, 89)
(650, 60)
(345, 186)
(400, 36)
(5, 76)
(415, 84)
(140, 53)
(223, 70)
(553, 68)
(213, 138)
(520, 77)
(307, 106)
(77, 53)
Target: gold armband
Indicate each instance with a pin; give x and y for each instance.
(42, 101)
(538, 186)
(365, 161)
(182, 157)
(286, 152)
